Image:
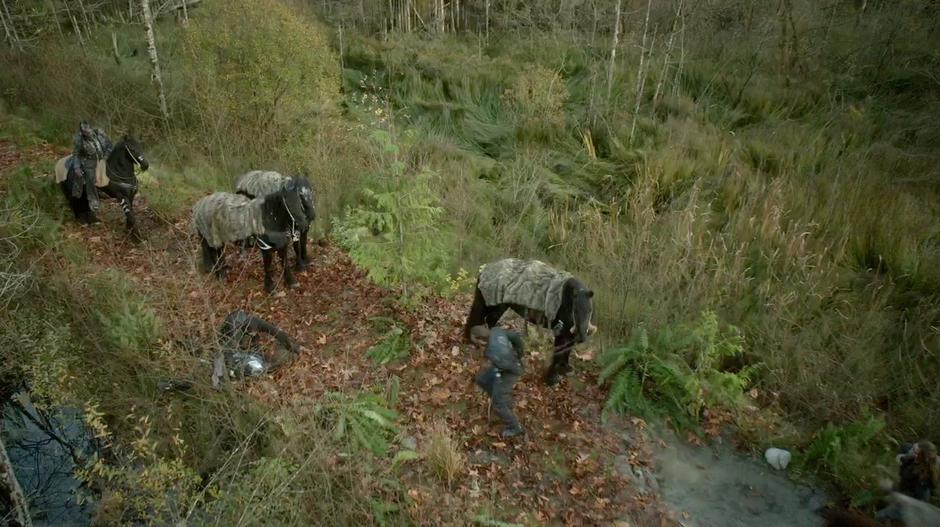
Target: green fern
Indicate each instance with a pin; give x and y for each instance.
(676, 373)
(362, 419)
(397, 233)
(843, 452)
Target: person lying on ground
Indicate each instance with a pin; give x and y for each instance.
(242, 351)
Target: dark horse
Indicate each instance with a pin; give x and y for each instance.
(304, 191)
(571, 325)
(272, 221)
(122, 184)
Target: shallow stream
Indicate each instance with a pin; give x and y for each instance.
(715, 486)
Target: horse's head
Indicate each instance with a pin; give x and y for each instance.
(132, 149)
(583, 308)
(292, 207)
(302, 184)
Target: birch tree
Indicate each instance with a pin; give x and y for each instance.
(9, 27)
(154, 61)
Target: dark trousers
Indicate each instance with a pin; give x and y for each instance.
(498, 385)
(85, 183)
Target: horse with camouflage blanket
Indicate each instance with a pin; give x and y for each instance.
(259, 183)
(541, 295)
(271, 221)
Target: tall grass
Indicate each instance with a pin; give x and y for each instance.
(781, 171)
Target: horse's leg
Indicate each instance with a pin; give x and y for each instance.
(564, 343)
(268, 270)
(494, 313)
(208, 255)
(127, 205)
(218, 262)
(74, 204)
(475, 317)
(300, 251)
(288, 275)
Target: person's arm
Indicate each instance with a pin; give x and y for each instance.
(516, 340)
(512, 358)
(260, 325)
(78, 147)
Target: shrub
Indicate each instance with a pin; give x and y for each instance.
(537, 99)
(397, 234)
(847, 454)
(261, 68)
(679, 371)
(442, 453)
(363, 420)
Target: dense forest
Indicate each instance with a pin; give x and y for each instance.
(749, 188)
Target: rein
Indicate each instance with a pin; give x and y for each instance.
(264, 246)
(293, 222)
(134, 159)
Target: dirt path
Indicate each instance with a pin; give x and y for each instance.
(568, 469)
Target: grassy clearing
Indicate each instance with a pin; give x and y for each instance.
(778, 171)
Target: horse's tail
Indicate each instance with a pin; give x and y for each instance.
(476, 315)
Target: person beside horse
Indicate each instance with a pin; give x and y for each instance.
(95, 165)
(540, 294)
(504, 349)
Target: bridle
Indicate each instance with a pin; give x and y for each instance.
(133, 158)
(264, 246)
(293, 223)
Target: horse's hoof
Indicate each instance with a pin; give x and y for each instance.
(293, 285)
(552, 379)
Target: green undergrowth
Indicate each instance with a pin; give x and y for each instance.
(395, 345)
(787, 184)
(80, 336)
(677, 372)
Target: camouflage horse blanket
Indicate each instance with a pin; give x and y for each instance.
(528, 283)
(261, 182)
(223, 218)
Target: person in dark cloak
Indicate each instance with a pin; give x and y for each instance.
(91, 146)
(242, 349)
(918, 474)
(504, 350)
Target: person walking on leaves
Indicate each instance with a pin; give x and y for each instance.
(91, 147)
(504, 350)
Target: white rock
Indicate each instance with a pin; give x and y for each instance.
(777, 458)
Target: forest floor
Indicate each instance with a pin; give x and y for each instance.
(570, 468)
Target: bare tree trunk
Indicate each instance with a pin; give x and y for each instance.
(613, 50)
(11, 491)
(54, 9)
(9, 26)
(668, 55)
(675, 82)
(114, 48)
(75, 27)
(639, 74)
(487, 21)
(154, 61)
(441, 18)
(81, 6)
